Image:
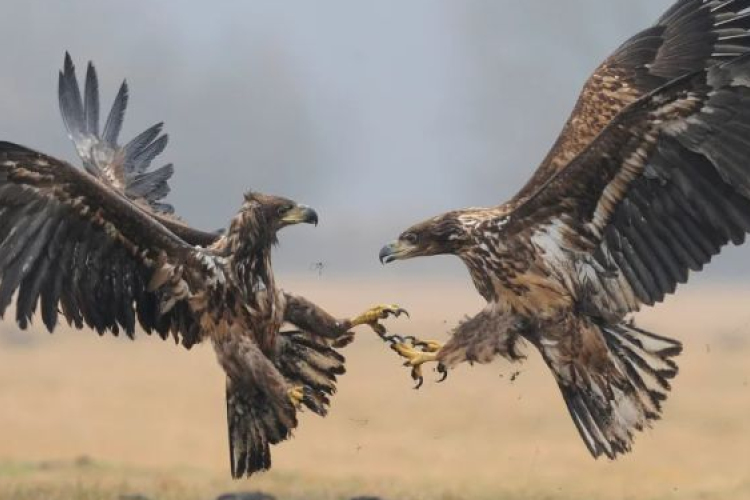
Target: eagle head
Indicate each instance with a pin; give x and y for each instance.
(275, 212)
(259, 220)
(446, 234)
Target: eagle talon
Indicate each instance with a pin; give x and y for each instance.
(378, 328)
(372, 316)
(428, 345)
(443, 371)
(415, 358)
(416, 375)
(297, 395)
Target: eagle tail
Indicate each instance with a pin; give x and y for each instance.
(307, 360)
(608, 407)
(254, 425)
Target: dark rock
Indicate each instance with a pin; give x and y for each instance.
(246, 496)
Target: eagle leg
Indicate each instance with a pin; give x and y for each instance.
(372, 316)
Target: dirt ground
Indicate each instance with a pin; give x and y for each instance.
(89, 417)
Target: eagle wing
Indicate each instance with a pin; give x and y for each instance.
(658, 193)
(125, 168)
(690, 36)
(69, 243)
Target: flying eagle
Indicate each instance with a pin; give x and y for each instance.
(100, 247)
(648, 181)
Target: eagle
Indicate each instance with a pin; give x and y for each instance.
(100, 247)
(649, 179)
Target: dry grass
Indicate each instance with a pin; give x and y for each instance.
(152, 417)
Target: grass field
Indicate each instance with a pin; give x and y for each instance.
(84, 417)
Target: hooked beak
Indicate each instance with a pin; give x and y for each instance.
(395, 251)
(301, 214)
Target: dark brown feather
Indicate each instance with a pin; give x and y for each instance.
(71, 233)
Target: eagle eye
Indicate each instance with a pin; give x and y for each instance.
(284, 209)
(411, 238)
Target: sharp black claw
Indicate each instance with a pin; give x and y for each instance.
(379, 329)
(420, 382)
(393, 340)
(443, 371)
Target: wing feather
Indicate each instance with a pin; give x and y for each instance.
(125, 168)
(91, 101)
(69, 241)
(659, 192)
(691, 36)
(116, 115)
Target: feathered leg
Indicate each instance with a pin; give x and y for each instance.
(312, 318)
(261, 404)
(479, 339)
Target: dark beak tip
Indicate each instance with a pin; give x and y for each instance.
(386, 255)
(312, 217)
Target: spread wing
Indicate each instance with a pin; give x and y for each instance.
(657, 194)
(70, 244)
(125, 168)
(691, 36)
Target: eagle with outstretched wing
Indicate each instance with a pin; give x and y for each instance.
(649, 179)
(100, 247)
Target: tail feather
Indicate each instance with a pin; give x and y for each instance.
(612, 399)
(645, 358)
(254, 425)
(309, 362)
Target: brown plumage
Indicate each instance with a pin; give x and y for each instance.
(101, 248)
(649, 179)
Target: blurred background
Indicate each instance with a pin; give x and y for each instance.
(378, 114)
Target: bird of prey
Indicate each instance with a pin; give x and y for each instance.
(649, 179)
(100, 247)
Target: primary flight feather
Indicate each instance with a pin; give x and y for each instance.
(648, 181)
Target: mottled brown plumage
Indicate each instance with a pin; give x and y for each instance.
(101, 248)
(649, 180)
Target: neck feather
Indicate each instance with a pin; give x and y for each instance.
(248, 246)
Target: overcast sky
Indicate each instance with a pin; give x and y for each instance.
(378, 113)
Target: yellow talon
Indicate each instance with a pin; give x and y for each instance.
(374, 314)
(429, 345)
(296, 395)
(415, 357)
